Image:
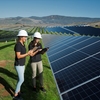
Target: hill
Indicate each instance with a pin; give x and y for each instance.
(52, 20)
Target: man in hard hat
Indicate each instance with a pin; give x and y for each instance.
(20, 55)
(36, 62)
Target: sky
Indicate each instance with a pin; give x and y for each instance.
(41, 8)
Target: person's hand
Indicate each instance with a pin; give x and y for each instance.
(39, 50)
(29, 52)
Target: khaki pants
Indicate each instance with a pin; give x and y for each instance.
(35, 66)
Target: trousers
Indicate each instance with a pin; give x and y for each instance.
(37, 66)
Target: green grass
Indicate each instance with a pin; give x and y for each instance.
(8, 77)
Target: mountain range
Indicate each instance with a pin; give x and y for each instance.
(52, 20)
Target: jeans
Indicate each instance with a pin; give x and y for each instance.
(20, 71)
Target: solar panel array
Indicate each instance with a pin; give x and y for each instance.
(85, 30)
(75, 63)
(59, 29)
(82, 30)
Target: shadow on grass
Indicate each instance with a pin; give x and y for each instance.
(27, 87)
(8, 73)
(46, 66)
(2, 47)
(5, 83)
(6, 86)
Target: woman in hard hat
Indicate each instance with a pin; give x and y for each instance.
(36, 62)
(20, 54)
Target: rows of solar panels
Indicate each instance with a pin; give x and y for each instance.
(82, 30)
(75, 63)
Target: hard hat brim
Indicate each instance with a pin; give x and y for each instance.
(22, 35)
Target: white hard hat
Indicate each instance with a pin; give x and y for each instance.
(22, 33)
(37, 35)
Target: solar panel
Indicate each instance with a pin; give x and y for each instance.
(97, 56)
(93, 48)
(75, 63)
(88, 91)
(60, 45)
(88, 30)
(77, 74)
(58, 29)
(65, 61)
(83, 30)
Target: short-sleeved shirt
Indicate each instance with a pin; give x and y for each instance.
(19, 48)
(36, 57)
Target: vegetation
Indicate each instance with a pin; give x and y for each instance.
(8, 77)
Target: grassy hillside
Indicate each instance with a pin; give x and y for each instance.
(8, 77)
(52, 20)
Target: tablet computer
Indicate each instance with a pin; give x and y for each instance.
(44, 50)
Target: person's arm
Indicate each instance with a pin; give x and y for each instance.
(35, 52)
(35, 49)
(19, 55)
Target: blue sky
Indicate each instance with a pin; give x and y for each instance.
(40, 8)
